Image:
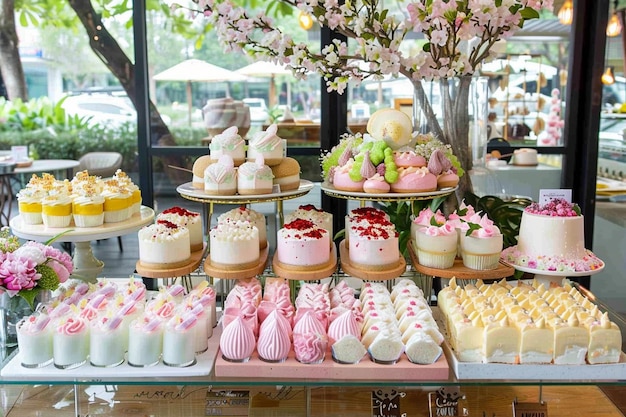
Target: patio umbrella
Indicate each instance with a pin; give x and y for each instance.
(196, 70)
(268, 69)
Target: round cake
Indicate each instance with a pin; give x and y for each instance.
(247, 214)
(164, 245)
(287, 174)
(254, 178)
(552, 238)
(234, 245)
(189, 219)
(302, 244)
(373, 245)
(199, 166)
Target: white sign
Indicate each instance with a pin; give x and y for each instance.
(545, 196)
(19, 153)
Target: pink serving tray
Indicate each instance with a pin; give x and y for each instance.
(403, 370)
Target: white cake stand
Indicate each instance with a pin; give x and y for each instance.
(86, 266)
(549, 277)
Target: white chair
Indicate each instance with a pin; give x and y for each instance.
(102, 164)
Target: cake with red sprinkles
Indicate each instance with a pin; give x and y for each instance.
(164, 245)
(301, 244)
(372, 239)
(552, 238)
(189, 219)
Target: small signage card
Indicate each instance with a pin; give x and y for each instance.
(546, 195)
(386, 403)
(446, 402)
(530, 409)
(19, 153)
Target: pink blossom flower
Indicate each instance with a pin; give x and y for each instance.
(18, 273)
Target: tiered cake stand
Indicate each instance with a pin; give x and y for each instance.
(393, 271)
(188, 192)
(86, 266)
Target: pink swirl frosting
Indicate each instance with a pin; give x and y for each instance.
(446, 229)
(274, 341)
(72, 326)
(345, 324)
(237, 341)
(424, 217)
(310, 348)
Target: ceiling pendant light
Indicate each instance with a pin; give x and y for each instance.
(305, 20)
(566, 13)
(607, 77)
(614, 27)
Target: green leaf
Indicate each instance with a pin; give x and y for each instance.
(29, 296)
(529, 13)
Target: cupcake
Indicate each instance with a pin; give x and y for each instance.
(29, 205)
(88, 210)
(436, 245)
(267, 144)
(56, 210)
(117, 202)
(125, 181)
(229, 142)
(481, 245)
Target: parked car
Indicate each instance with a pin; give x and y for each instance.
(103, 109)
(258, 109)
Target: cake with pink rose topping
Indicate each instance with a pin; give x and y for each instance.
(552, 238)
(164, 245)
(268, 145)
(301, 244)
(274, 343)
(230, 143)
(237, 342)
(189, 219)
(234, 245)
(436, 245)
(481, 244)
(254, 177)
(220, 178)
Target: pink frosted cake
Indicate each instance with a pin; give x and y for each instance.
(552, 238)
(310, 212)
(302, 244)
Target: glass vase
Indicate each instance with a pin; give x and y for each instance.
(454, 110)
(12, 310)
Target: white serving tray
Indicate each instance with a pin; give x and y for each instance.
(203, 366)
(545, 372)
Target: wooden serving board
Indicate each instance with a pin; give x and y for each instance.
(216, 272)
(313, 273)
(458, 270)
(194, 263)
(403, 370)
(368, 274)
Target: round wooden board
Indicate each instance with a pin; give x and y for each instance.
(194, 263)
(458, 270)
(368, 274)
(250, 272)
(294, 273)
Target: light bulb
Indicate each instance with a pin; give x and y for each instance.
(607, 77)
(305, 20)
(566, 13)
(614, 27)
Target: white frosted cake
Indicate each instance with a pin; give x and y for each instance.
(552, 238)
(189, 219)
(164, 245)
(234, 245)
(246, 214)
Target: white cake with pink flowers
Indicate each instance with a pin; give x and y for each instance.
(302, 244)
(552, 238)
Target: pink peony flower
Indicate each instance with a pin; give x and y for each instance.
(18, 273)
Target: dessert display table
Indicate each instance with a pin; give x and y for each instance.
(86, 266)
